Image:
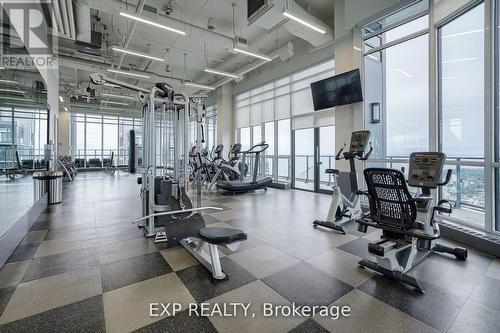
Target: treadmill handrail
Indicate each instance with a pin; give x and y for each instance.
(252, 151)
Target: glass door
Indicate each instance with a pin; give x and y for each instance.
(313, 153)
(304, 159)
(326, 157)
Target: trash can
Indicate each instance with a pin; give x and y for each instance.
(54, 179)
(48, 181)
(39, 185)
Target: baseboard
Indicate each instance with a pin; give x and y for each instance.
(11, 239)
(281, 186)
(468, 236)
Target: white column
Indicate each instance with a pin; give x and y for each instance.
(225, 119)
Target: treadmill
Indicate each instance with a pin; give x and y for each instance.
(247, 184)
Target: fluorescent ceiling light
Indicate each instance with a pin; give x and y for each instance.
(404, 73)
(304, 22)
(119, 96)
(111, 85)
(128, 73)
(18, 99)
(253, 54)
(1, 67)
(136, 53)
(197, 85)
(356, 48)
(61, 99)
(458, 60)
(154, 24)
(110, 108)
(113, 102)
(218, 72)
(66, 109)
(13, 91)
(8, 81)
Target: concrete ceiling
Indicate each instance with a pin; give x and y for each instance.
(186, 56)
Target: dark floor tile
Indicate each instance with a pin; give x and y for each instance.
(82, 316)
(203, 287)
(71, 233)
(487, 292)
(116, 233)
(476, 317)
(5, 295)
(475, 262)
(309, 326)
(358, 247)
(181, 323)
(41, 224)
(24, 251)
(132, 270)
(61, 263)
(436, 308)
(306, 285)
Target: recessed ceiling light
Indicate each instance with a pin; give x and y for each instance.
(253, 54)
(113, 102)
(223, 73)
(61, 99)
(154, 24)
(13, 91)
(136, 53)
(302, 21)
(198, 85)
(118, 96)
(128, 73)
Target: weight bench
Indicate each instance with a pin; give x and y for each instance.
(213, 237)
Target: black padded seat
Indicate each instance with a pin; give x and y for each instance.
(221, 236)
(332, 171)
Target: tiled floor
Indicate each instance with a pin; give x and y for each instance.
(85, 268)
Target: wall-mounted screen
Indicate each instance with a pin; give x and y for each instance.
(337, 90)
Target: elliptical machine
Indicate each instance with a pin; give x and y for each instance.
(409, 230)
(345, 205)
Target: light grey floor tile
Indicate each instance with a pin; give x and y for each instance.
(125, 249)
(371, 315)
(263, 260)
(255, 293)
(494, 270)
(475, 317)
(12, 273)
(341, 265)
(44, 294)
(178, 258)
(56, 246)
(128, 308)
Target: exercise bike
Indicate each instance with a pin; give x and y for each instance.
(346, 205)
(409, 230)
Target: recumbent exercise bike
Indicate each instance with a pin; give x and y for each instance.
(409, 228)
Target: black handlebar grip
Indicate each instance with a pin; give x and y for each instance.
(202, 135)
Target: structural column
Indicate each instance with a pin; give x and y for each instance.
(225, 119)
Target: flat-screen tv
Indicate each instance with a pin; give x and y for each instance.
(337, 90)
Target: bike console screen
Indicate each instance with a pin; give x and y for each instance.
(425, 169)
(359, 140)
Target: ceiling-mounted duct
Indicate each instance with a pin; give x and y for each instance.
(270, 15)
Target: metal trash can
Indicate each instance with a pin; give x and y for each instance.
(48, 181)
(39, 185)
(54, 178)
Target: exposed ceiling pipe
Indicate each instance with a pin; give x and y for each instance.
(56, 11)
(110, 7)
(64, 14)
(286, 49)
(82, 21)
(95, 66)
(71, 19)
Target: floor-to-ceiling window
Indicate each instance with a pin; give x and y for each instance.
(265, 113)
(496, 92)
(461, 111)
(442, 107)
(95, 137)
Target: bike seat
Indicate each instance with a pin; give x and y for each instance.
(221, 236)
(332, 171)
